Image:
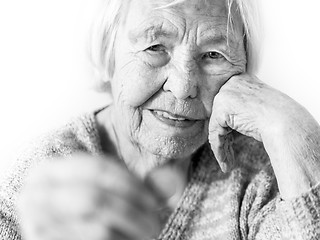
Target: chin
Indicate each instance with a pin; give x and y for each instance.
(167, 148)
(167, 141)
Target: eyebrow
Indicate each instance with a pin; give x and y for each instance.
(211, 36)
(152, 32)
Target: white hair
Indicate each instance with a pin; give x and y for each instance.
(104, 33)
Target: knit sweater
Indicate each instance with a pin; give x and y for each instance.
(242, 204)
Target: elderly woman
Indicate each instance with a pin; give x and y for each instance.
(193, 146)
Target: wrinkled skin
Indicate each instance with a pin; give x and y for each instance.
(289, 133)
(181, 62)
(174, 60)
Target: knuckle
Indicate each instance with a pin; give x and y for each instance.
(218, 101)
(237, 78)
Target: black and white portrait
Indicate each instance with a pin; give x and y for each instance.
(159, 119)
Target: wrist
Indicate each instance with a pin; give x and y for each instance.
(293, 148)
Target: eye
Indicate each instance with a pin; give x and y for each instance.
(156, 48)
(213, 55)
(156, 55)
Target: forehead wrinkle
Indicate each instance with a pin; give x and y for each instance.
(218, 32)
(152, 30)
(213, 36)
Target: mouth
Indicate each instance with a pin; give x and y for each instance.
(174, 120)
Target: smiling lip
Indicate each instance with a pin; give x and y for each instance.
(174, 120)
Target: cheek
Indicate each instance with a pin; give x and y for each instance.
(135, 83)
(210, 88)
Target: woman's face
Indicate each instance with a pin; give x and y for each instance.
(169, 65)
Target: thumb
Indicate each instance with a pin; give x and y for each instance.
(221, 140)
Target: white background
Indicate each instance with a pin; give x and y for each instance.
(45, 76)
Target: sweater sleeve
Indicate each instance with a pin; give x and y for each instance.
(264, 215)
(301, 216)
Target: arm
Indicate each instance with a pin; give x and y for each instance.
(289, 133)
(265, 216)
(291, 138)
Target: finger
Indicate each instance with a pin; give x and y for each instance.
(220, 139)
(110, 225)
(228, 149)
(99, 225)
(137, 225)
(132, 190)
(119, 180)
(116, 234)
(103, 173)
(167, 182)
(123, 215)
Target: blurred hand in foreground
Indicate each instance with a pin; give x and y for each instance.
(82, 197)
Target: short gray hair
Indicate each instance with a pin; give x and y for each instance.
(104, 32)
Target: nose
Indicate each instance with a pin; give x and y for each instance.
(182, 81)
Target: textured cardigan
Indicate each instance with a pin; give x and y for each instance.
(242, 204)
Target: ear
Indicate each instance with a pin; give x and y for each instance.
(102, 82)
(104, 86)
(106, 74)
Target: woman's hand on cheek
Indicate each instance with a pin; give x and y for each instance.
(87, 198)
(240, 105)
(289, 133)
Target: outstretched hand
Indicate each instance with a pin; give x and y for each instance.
(87, 198)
